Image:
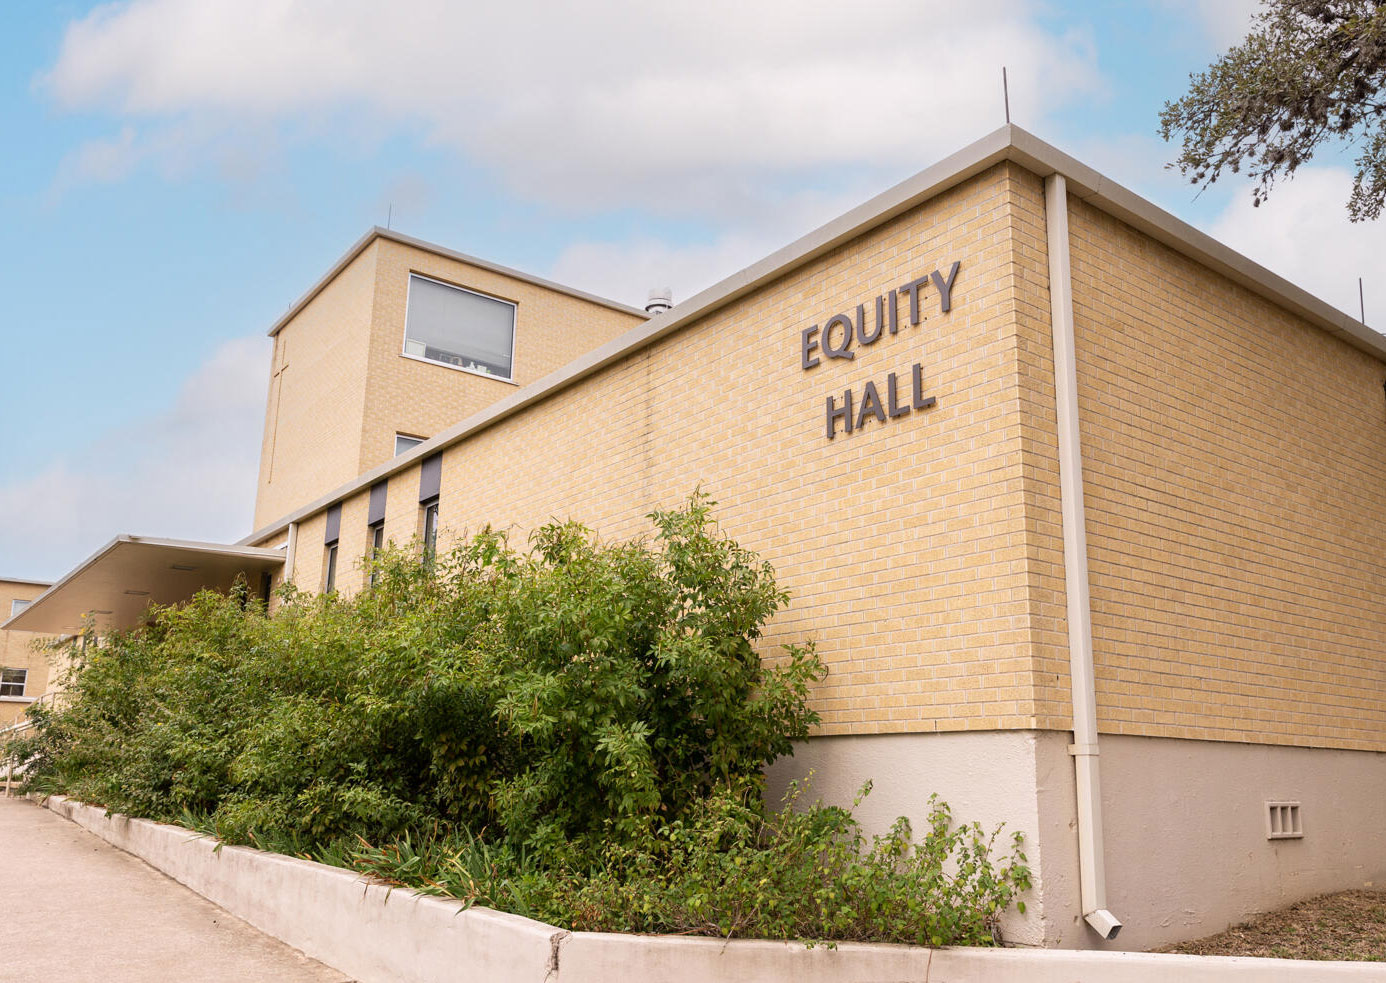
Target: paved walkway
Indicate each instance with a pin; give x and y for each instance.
(76, 909)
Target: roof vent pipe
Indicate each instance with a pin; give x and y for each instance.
(661, 299)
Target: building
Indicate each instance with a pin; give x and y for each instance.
(24, 669)
(1046, 471)
(351, 387)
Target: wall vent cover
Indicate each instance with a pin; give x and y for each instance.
(1282, 821)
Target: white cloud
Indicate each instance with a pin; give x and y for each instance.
(621, 102)
(1224, 22)
(627, 270)
(1138, 161)
(1302, 233)
(102, 161)
(188, 472)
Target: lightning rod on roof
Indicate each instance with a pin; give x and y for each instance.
(1006, 94)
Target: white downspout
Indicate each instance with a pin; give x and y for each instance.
(1092, 877)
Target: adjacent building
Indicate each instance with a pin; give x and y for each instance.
(24, 666)
(1083, 510)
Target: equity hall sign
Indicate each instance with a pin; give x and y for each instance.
(840, 335)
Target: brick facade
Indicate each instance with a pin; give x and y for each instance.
(340, 389)
(1235, 466)
(17, 651)
(1233, 456)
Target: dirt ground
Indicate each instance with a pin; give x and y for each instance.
(1350, 926)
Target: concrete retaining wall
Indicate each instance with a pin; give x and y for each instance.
(367, 931)
(376, 934)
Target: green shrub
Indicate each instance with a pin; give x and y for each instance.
(576, 732)
(731, 869)
(568, 695)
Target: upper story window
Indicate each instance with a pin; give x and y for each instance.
(17, 606)
(403, 442)
(460, 328)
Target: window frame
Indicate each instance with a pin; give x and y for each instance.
(329, 580)
(375, 538)
(23, 682)
(404, 436)
(18, 604)
(429, 536)
(514, 328)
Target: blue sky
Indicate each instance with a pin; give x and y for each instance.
(177, 173)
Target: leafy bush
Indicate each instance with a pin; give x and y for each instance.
(572, 694)
(732, 870)
(576, 732)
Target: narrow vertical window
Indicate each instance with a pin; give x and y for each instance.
(430, 486)
(377, 532)
(375, 527)
(430, 530)
(330, 539)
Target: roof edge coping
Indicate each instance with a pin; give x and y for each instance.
(376, 232)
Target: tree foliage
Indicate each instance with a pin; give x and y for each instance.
(1311, 72)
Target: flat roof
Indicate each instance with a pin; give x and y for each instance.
(25, 581)
(1007, 143)
(115, 585)
(378, 233)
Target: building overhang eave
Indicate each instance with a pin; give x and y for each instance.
(113, 588)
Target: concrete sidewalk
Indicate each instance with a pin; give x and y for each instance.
(74, 908)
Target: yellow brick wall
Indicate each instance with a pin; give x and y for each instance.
(402, 506)
(309, 554)
(909, 548)
(16, 651)
(317, 394)
(1235, 482)
(421, 398)
(340, 389)
(1048, 621)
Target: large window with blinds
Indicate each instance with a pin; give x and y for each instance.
(460, 328)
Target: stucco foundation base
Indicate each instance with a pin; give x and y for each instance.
(1185, 840)
(1186, 846)
(988, 776)
(377, 934)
